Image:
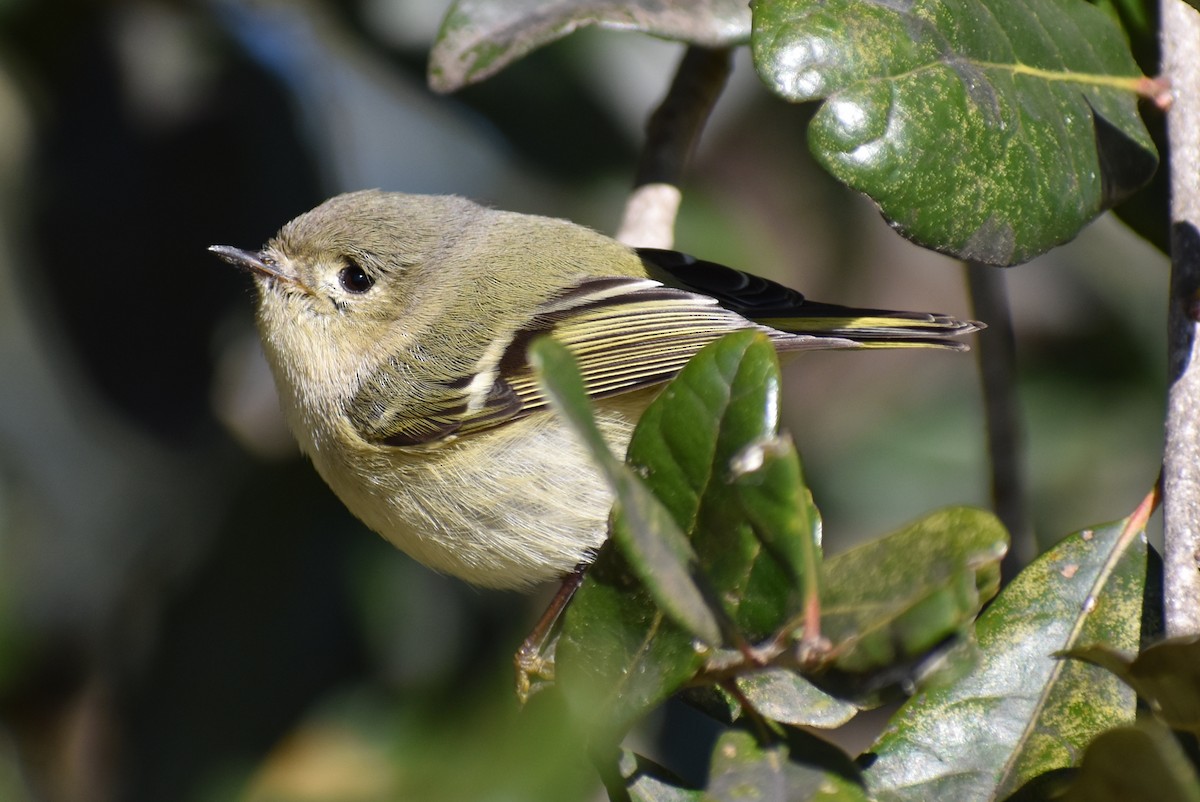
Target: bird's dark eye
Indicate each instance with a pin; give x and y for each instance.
(354, 279)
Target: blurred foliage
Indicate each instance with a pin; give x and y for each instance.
(185, 611)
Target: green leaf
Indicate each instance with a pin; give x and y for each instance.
(1142, 762)
(690, 447)
(479, 38)
(650, 539)
(784, 696)
(618, 654)
(992, 131)
(646, 781)
(1020, 712)
(780, 509)
(1049, 787)
(615, 640)
(1166, 675)
(805, 768)
(897, 597)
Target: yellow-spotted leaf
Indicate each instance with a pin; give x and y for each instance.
(1021, 711)
(992, 130)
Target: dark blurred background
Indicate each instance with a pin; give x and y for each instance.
(186, 613)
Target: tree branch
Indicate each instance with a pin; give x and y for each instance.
(1005, 434)
(671, 136)
(1181, 459)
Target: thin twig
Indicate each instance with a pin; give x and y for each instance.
(1005, 433)
(1181, 458)
(671, 136)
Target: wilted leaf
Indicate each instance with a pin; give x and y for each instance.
(991, 131)
(1020, 712)
(481, 37)
(896, 597)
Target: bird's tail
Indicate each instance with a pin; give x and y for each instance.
(870, 328)
(771, 304)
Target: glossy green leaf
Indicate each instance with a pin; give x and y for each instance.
(1166, 675)
(479, 38)
(897, 597)
(684, 449)
(1142, 762)
(780, 509)
(650, 539)
(992, 131)
(804, 768)
(690, 448)
(1021, 712)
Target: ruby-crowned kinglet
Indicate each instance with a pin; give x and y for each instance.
(397, 325)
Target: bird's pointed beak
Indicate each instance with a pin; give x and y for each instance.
(252, 261)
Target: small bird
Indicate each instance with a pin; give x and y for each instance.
(396, 327)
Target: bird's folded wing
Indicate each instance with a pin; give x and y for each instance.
(626, 333)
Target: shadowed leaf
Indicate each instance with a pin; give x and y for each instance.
(1142, 762)
(646, 781)
(479, 38)
(1166, 675)
(804, 768)
(897, 597)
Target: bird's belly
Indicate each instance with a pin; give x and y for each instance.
(506, 508)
